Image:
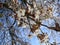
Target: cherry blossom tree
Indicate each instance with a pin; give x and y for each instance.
(20, 20)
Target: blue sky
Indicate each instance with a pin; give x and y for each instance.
(34, 41)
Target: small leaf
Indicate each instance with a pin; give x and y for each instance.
(1, 15)
(46, 16)
(34, 28)
(1, 5)
(6, 5)
(1, 24)
(41, 36)
(29, 35)
(50, 9)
